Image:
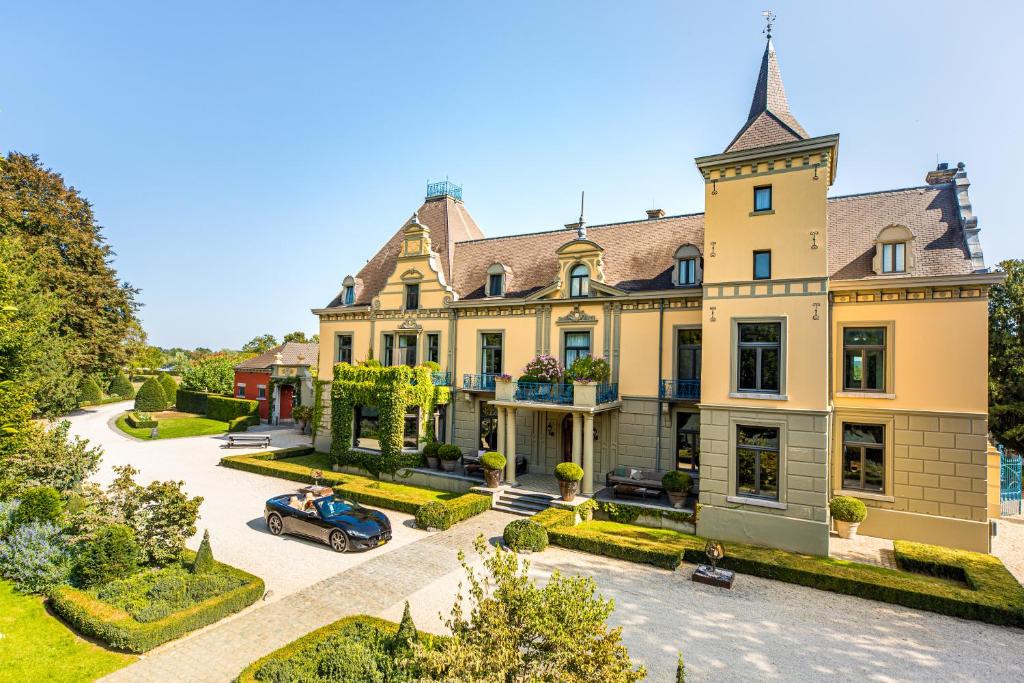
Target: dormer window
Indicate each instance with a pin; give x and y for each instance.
(894, 257)
(893, 253)
(579, 281)
(350, 295)
(688, 267)
(496, 280)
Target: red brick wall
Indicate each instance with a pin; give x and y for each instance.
(252, 380)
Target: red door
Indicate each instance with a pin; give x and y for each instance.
(287, 391)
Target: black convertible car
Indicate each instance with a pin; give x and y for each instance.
(342, 524)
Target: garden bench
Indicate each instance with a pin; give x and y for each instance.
(248, 441)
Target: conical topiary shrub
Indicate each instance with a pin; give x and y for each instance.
(204, 556)
(406, 634)
(169, 386)
(150, 398)
(89, 391)
(121, 386)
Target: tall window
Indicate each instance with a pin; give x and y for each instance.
(577, 345)
(367, 428)
(759, 358)
(261, 392)
(763, 198)
(495, 284)
(407, 350)
(412, 297)
(389, 350)
(864, 457)
(688, 354)
(411, 432)
(434, 347)
(864, 359)
(344, 348)
(688, 441)
(490, 353)
(240, 393)
(762, 265)
(350, 295)
(579, 281)
(894, 257)
(488, 427)
(687, 271)
(757, 462)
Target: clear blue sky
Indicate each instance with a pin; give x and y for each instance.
(244, 157)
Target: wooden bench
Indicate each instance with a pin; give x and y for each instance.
(248, 441)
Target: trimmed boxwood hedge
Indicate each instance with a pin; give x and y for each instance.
(388, 495)
(137, 422)
(191, 401)
(226, 409)
(117, 629)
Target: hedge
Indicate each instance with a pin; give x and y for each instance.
(117, 629)
(104, 401)
(988, 592)
(240, 424)
(137, 422)
(191, 401)
(226, 409)
(389, 495)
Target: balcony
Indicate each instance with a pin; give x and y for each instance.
(679, 390)
(441, 379)
(540, 392)
(578, 395)
(481, 382)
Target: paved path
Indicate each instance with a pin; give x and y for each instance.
(221, 651)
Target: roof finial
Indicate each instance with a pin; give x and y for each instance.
(581, 231)
(769, 18)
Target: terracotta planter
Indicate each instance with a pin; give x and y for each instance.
(847, 529)
(504, 391)
(492, 478)
(433, 462)
(568, 489)
(448, 465)
(676, 498)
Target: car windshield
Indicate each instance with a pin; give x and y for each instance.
(331, 507)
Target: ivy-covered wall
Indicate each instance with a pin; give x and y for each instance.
(391, 390)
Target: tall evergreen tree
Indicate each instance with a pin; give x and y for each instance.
(1006, 357)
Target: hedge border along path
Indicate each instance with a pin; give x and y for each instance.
(119, 630)
(956, 583)
(392, 496)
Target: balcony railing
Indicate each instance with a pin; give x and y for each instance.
(482, 382)
(680, 389)
(606, 393)
(441, 379)
(540, 392)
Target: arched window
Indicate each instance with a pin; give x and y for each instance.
(348, 292)
(496, 280)
(893, 254)
(579, 281)
(687, 271)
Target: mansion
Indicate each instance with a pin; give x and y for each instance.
(782, 347)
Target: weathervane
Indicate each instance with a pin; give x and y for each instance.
(769, 18)
(581, 231)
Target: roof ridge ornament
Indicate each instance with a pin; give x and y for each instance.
(769, 18)
(581, 231)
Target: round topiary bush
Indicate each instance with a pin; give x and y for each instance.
(169, 386)
(112, 554)
(40, 504)
(89, 391)
(676, 481)
(525, 534)
(151, 398)
(449, 452)
(568, 471)
(433, 515)
(847, 509)
(430, 449)
(493, 460)
(121, 386)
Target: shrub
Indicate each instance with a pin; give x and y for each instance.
(430, 449)
(433, 515)
(204, 556)
(492, 460)
(138, 420)
(39, 504)
(848, 509)
(525, 534)
(676, 481)
(169, 386)
(151, 396)
(406, 634)
(619, 512)
(589, 369)
(449, 452)
(568, 471)
(680, 670)
(112, 554)
(34, 557)
(191, 401)
(226, 409)
(431, 365)
(238, 424)
(121, 386)
(89, 391)
(545, 368)
(52, 457)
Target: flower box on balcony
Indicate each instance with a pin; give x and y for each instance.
(504, 390)
(584, 394)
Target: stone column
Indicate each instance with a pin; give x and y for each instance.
(588, 454)
(510, 448)
(500, 447)
(577, 438)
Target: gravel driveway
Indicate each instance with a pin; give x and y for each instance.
(233, 501)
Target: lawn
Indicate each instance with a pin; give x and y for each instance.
(175, 425)
(36, 646)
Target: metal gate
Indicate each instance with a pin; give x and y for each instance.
(1009, 483)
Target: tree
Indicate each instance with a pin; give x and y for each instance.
(260, 344)
(297, 336)
(516, 631)
(215, 374)
(151, 397)
(169, 386)
(51, 457)
(1006, 357)
(148, 357)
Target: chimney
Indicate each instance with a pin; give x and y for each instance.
(942, 174)
(655, 213)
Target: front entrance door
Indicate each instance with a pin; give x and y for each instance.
(567, 438)
(287, 391)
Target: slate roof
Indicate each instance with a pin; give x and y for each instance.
(769, 122)
(290, 352)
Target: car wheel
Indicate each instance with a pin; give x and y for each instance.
(339, 541)
(275, 524)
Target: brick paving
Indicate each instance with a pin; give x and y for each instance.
(220, 651)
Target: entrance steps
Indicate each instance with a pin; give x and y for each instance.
(523, 503)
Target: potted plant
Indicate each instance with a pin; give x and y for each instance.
(568, 475)
(430, 453)
(677, 485)
(493, 463)
(449, 455)
(848, 513)
(586, 373)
